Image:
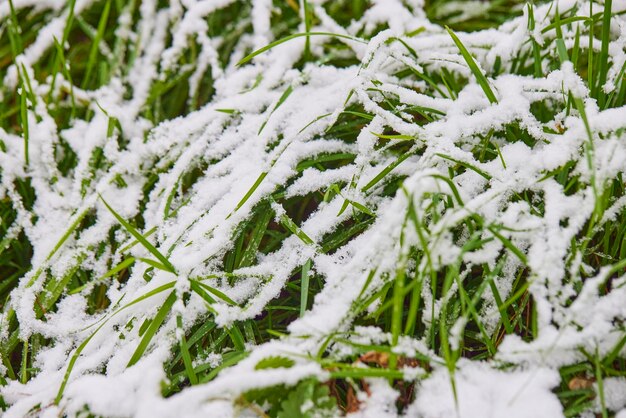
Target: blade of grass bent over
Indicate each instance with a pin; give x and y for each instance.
(295, 35)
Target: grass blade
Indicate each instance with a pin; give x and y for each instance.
(466, 165)
(294, 36)
(304, 287)
(604, 50)
(153, 328)
(256, 184)
(385, 171)
(480, 77)
(281, 100)
(166, 263)
(214, 291)
(295, 229)
(93, 53)
(193, 379)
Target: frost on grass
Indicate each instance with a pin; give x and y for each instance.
(442, 230)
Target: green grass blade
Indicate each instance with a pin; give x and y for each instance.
(590, 72)
(237, 338)
(466, 165)
(153, 328)
(124, 264)
(195, 286)
(72, 362)
(604, 50)
(362, 373)
(304, 287)
(509, 245)
(600, 379)
(295, 229)
(214, 292)
(23, 369)
(314, 120)
(69, 21)
(565, 21)
(250, 253)
(394, 137)
(135, 241)
(306, 14)
(378, 177)
(281, 100)
(362, 208)
(294, 36)
(480, 77)
(166, 263)
(154, 264)
(249, 193)
(66, 73)
(232, 359)
(14, 31)
(24, 120)
(538, 71)
(95, 45)
(560, 43)
(60, 243)
(184, 349)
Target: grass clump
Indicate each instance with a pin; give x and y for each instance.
(312, 208)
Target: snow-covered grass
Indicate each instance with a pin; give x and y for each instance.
(296, 209)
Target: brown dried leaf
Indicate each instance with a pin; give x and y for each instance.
(352, 402)
(580, 383)
(382, 359)
(408, 362)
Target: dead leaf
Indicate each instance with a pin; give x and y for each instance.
(580, 383)
(382, 359)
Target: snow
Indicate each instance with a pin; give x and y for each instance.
(196, 236)
(614, 390)
(484, 392)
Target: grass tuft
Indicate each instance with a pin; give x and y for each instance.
(339, 218)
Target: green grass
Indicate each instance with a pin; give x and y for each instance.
(398, 301)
